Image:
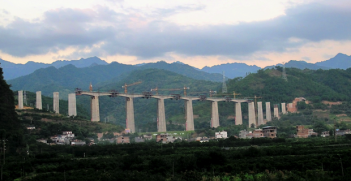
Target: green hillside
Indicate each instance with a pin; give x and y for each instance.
(301, 83)
(67, 78)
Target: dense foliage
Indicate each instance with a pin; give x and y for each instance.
(9, 123)
(230, 159)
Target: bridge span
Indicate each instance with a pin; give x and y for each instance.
(161, 117)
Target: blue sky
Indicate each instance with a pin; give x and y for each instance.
(196, 32)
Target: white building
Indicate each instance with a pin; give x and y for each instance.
(68, 134)
(222, 134)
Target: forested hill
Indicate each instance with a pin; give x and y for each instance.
(316, 85)
(185, 70)
(67, 78)
(8, 117)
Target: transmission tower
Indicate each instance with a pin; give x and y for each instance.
(224, 87)
(284, 73)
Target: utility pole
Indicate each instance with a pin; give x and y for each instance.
(335, 138)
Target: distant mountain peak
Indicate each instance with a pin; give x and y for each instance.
(179, 62)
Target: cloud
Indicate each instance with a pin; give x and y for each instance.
(148, 36)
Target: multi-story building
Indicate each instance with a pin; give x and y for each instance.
(301, 132)
(269, 131)
(257, 133)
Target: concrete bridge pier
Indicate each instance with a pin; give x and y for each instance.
(130, 123)
(56, 103)
(276, 111)
(72, 108)
(268, 112)
(252, 116)
(238, 114)
(20, 99)
(161, 115)
(38, 103)
(259, 114)
(95, 110)
(283, 108)
(214, 115)
(189, 124)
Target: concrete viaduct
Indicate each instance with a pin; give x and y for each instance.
(161, 124)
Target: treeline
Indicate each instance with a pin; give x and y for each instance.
(259, 159)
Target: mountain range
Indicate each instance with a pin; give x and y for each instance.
(12, 70)
(232, 70)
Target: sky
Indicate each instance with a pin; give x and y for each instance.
(196, 32)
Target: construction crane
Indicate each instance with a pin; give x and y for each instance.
(255, 97)
(126, 86)
(157, 89)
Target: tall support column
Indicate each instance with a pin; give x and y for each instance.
(214, 116)
(161, 116)
(252, 116)
(72, 108)
(20, 99)
(238, 114)
(38, 103)
(189, 124)
(259, 114)
(283, 108)
(268, 112)
(56, 102)
(130, 115)
(276, 111)
(95, 111)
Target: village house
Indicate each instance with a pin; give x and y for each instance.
(265, 132)
(139, 139)
(123, 139)
(257, 133)
(303, 132)
(325, 134)
(342, 132)
(30, 127)
(222, 134)
(42, 141)
(78, 143)
(269, 131)
(147, 136)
